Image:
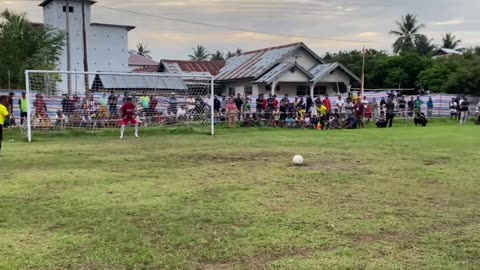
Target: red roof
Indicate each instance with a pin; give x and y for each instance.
(138, 60)
(149, 69)
(181, 66)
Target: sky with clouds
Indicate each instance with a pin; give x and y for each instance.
(333, 23)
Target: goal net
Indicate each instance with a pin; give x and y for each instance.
(62, 100)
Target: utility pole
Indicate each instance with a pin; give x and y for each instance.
(85, 56)
(69, 60)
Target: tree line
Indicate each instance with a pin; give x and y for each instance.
(24, 46)
(412, 65)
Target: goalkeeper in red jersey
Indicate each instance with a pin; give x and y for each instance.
(128, 114)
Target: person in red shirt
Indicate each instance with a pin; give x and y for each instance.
(327, 104)
(275, 103)
(128, 114)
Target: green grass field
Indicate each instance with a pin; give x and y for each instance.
(401, 198)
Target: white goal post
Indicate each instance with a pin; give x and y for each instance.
(62, 100)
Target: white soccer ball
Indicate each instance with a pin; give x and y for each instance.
(297, 160)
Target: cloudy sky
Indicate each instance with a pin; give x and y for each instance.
(333, 24)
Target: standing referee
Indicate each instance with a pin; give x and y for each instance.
(3, 115)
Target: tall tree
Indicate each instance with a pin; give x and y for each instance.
(423, 45)
(450, 41)
(408, 31)
(143, 50)
(200, 53)
(217, 56)
(24, 46)
(234, 53)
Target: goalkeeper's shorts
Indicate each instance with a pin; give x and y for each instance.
(127, 121)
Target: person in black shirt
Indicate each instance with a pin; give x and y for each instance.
(217, 105)
(411, 106)
(270, 106)
(390, 107)
(112, 103)
(382, 104)
(308, 103)
(260, 100)
(285, 99)
(239, 103)
(420, 119)
(463, 109)
(381, 121)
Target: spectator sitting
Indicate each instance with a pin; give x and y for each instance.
(420, 119)
(60, 119)
(290, 122)
(307, 122)
(334, 121)
(276, 119)
(350, 123)
(381, 120)
(315, 121)
(249, 121)
(299, 120)
(181, 112)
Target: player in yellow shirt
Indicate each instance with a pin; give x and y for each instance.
(3, 115)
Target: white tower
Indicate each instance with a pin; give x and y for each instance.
(107, 44)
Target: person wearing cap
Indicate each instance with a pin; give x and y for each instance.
(23, 105)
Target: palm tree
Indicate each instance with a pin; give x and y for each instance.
(234, 53)
(199, 54)
(450, 41)
(143, 51)
(217, 56)
(423, 45)
(407, 33)
(27, 47)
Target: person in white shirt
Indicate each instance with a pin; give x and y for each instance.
(191, 104)
(349, 108)
(314, 110)
(365, 101)
(340, 104)
(181, 112)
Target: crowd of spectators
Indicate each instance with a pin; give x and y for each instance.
(321, 113)
(299, 112)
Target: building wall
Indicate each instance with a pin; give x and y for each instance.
(107, 46)
(303, 58)
(295, 76)
(337, 76)
(108, 49)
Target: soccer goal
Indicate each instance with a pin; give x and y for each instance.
(62, 100)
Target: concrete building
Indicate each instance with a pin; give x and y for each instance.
(292, 69)
(107, 44)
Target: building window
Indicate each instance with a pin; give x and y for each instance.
(70, 9)
(268, 88)
(302, 90)
(248, 90)
(319, 90)
(231, 91)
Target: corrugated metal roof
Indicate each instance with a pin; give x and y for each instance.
(139, 60)
(195, 67)
(322, 70)
(448, 51)
(142, 82)
(254, 63)
(46, 2)
(279, 70)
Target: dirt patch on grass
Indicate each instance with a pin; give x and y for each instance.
(436, 161)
